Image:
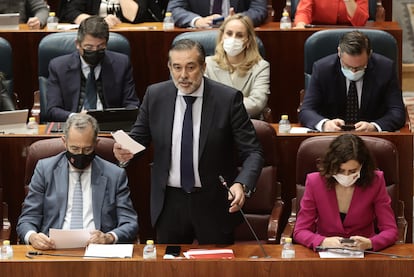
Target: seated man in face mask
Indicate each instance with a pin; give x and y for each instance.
(72, 87)
(353, 87)
(78, 190)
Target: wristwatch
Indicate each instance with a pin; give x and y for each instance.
(247, 191)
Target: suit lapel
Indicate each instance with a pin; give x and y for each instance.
(207, 114)
(62, 188)
(98, 184)
(74, 75)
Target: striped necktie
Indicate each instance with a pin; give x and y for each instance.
(76, 221)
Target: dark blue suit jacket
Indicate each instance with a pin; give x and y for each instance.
(64, 84)
(225, 126)
(184, 11)
(381, 100)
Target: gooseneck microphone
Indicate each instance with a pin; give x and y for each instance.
(31, 254)
(321, 248)
(224, 183)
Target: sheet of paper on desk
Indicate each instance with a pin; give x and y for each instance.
(69, 238)
(127, 142)
(209, 254)
(110, 250)
(341, 254)
(299, 130)
(67, 27)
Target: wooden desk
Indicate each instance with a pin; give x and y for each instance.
(288, 145)
(284, 51)
(306, 263)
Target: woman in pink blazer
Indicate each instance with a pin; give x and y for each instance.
(344, 198)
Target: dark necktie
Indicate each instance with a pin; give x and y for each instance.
(76, 221)
(352, 109)
(217, 7)
(90, 102)
(186, 166)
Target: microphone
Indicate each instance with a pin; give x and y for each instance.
(321, 248)
(224, 183)
(31, 254)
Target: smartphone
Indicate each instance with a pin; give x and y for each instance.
(347, 127)
(347, 241)
(173, 250)
(218, 20)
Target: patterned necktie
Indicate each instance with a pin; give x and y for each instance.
(186, 166)
(217, 7)
(352, 109)
(76, 221)
(90, 87)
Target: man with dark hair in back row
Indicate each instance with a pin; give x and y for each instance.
(90, 78)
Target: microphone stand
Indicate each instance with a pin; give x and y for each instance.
(224, 183)
(320, 248)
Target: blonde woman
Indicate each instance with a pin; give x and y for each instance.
(237, 63)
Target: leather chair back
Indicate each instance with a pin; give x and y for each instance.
(62, 43)
(208, 40)
(261, 207)
(384, 152)
(49, 147)
(6, 64)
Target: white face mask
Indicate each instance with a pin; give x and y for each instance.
(347, 180)
(233, 46)
(353, 76)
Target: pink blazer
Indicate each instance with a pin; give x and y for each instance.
(330, 12)
(319, 217)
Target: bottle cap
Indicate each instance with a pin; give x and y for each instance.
(6, 242)
(168, 14)
(288, 240)
(52, 14)
(285, 13)
(150, 241)
(285, 116)
(32, 119)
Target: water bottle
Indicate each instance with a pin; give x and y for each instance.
(284, 124)
(33, 125)
(285, 22)
(150, 252)
(288, 250)
(168, 23)
(52, 21)
(380, 12)
(6, 250)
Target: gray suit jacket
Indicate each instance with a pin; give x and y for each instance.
(184, 11)
(46, 202)
(254, 85)
(35, 8)
(225, 127)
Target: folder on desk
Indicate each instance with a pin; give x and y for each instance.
(9, 21)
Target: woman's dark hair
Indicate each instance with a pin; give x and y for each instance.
(343, 149)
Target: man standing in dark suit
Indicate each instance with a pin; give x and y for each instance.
(355, 70)
(200, 13)
(90, 78)
(188, 201)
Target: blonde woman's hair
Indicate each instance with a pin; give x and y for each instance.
(252, 55)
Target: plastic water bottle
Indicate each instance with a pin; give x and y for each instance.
(288, 251)
(380, 12)
(285, 22)
(6, 250)
(284, 124)
(150, 252)
(33, 125)
(52, 21)
(168, 23)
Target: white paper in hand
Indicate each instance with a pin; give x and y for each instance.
(127, 142)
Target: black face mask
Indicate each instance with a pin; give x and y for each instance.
(80, 161)
(93, 57)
